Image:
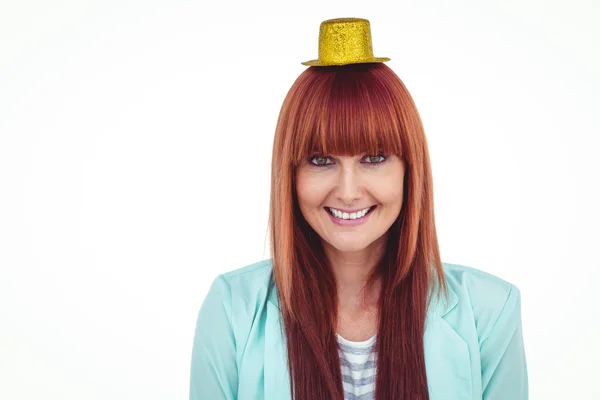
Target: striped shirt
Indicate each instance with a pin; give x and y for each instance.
(358, 361)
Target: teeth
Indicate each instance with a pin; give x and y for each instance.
(354, 215)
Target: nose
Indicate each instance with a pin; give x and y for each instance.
(349, 185)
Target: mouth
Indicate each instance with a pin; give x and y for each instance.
(346, 216)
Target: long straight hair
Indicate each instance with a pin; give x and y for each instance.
(350, 110)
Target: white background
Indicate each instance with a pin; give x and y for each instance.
(135, 148)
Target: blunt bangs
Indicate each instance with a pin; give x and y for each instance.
(347, 114)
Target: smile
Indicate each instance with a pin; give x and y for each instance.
(347, 219)
(338, 214)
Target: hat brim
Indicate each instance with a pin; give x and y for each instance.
(318, 63)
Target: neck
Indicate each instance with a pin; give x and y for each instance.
(351, 271)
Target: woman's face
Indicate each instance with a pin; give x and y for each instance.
(328, 185)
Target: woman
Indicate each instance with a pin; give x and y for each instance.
(355, 302)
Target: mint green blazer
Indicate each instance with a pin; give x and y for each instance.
(473, 343)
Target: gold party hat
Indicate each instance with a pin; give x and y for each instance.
(345, 41)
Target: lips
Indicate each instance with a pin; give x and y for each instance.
(350, 223)
(371, 208)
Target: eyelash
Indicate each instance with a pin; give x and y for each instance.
(372, 164)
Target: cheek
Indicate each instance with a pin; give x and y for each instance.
(306, 189)
(395, 195)
(389, 192)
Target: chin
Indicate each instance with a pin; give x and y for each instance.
(348, 246)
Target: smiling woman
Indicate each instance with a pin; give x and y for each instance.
(348, 116)
(355, 301)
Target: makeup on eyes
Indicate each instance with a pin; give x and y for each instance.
(372, 164)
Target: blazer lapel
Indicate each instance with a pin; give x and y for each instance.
(446, 354)
(277, 381)
(447, 358)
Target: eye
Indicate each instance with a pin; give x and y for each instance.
(380, 157)
(318, 161)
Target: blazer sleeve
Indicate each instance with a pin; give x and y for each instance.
(214, 373)
(503, 363)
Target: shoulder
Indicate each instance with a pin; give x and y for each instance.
(256, 271)
(487, 297)
(476, 282)
(244, 290)
(244, 281)
(249, 279)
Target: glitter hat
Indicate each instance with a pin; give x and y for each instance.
(345, 41)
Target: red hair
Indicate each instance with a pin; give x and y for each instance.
(349, 110)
